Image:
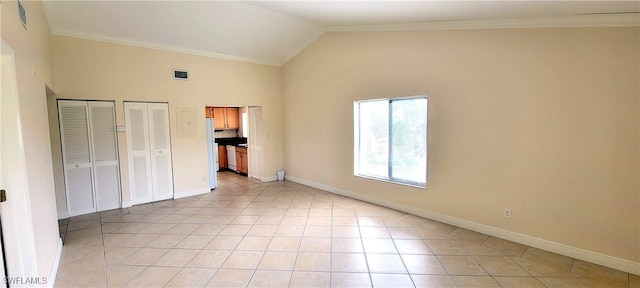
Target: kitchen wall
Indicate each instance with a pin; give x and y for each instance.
(226, 134)
(86, 69)
(542, 121)
(34, 77)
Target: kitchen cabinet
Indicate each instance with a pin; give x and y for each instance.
(226, 118)
(219, 115)
(222, 156)
(208, 112)
(233, 120)
(241, 160)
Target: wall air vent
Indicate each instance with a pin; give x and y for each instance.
(23, 15)
(180, 74)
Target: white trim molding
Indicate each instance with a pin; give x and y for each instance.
(559, 248)
(51, 281)
(161, 47)
(596, 20)
(269, 179)
(183, 194)
(63, 215)
(127, 204)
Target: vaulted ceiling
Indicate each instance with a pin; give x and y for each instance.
(272, 32)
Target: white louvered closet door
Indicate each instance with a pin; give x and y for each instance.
(74, 132)
(149, 148)
(160, 150)
(105, 155)
(140, 178)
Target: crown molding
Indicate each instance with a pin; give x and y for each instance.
(167, 48)
(596, 20)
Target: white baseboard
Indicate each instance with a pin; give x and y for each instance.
(183, 194)
(63, 215)
(127, 204)
(559, 248)
(116, 206)
(51, 281)
(269, 179)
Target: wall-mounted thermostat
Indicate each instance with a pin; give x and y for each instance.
(180, 74)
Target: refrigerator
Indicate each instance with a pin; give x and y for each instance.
(212, 150)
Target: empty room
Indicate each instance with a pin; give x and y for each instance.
(320, 144)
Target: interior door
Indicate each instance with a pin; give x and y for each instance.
(76, 155)
(17, 225)
(160, 151)
(149, 148)
(140, 178)
(255, 143)
(104, 152)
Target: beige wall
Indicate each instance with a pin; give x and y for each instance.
(542, 121)
(87, 69)
(33, 73)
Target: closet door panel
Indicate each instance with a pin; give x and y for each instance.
(80, 197)
(105, 154)
(74, 132)
(107, 182)
(140, 172)
(160, 151)
(142, 180)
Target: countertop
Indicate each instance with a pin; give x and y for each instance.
(238, 141)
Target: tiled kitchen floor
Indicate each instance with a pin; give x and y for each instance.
(279, 234)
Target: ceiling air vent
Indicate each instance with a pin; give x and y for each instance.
(180, 74)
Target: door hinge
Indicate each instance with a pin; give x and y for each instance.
(3, 195)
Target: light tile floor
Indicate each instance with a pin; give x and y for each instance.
(282, 234)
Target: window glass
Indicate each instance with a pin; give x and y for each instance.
(374, 138)
(391, 140)
(409, 134)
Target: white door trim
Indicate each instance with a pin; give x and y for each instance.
(16, 212)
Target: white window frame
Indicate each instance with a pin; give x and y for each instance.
(356, 145)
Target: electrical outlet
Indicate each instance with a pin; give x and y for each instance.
(507, 213)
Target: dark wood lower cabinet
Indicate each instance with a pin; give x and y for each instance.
(222, 156)
(241, 160)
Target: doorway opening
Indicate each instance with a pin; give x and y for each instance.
(234, 141)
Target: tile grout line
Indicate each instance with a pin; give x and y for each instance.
(366, 257)
(253, 274)
(104, 251)
(393, 240)
(330, 244)
(244, 190)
